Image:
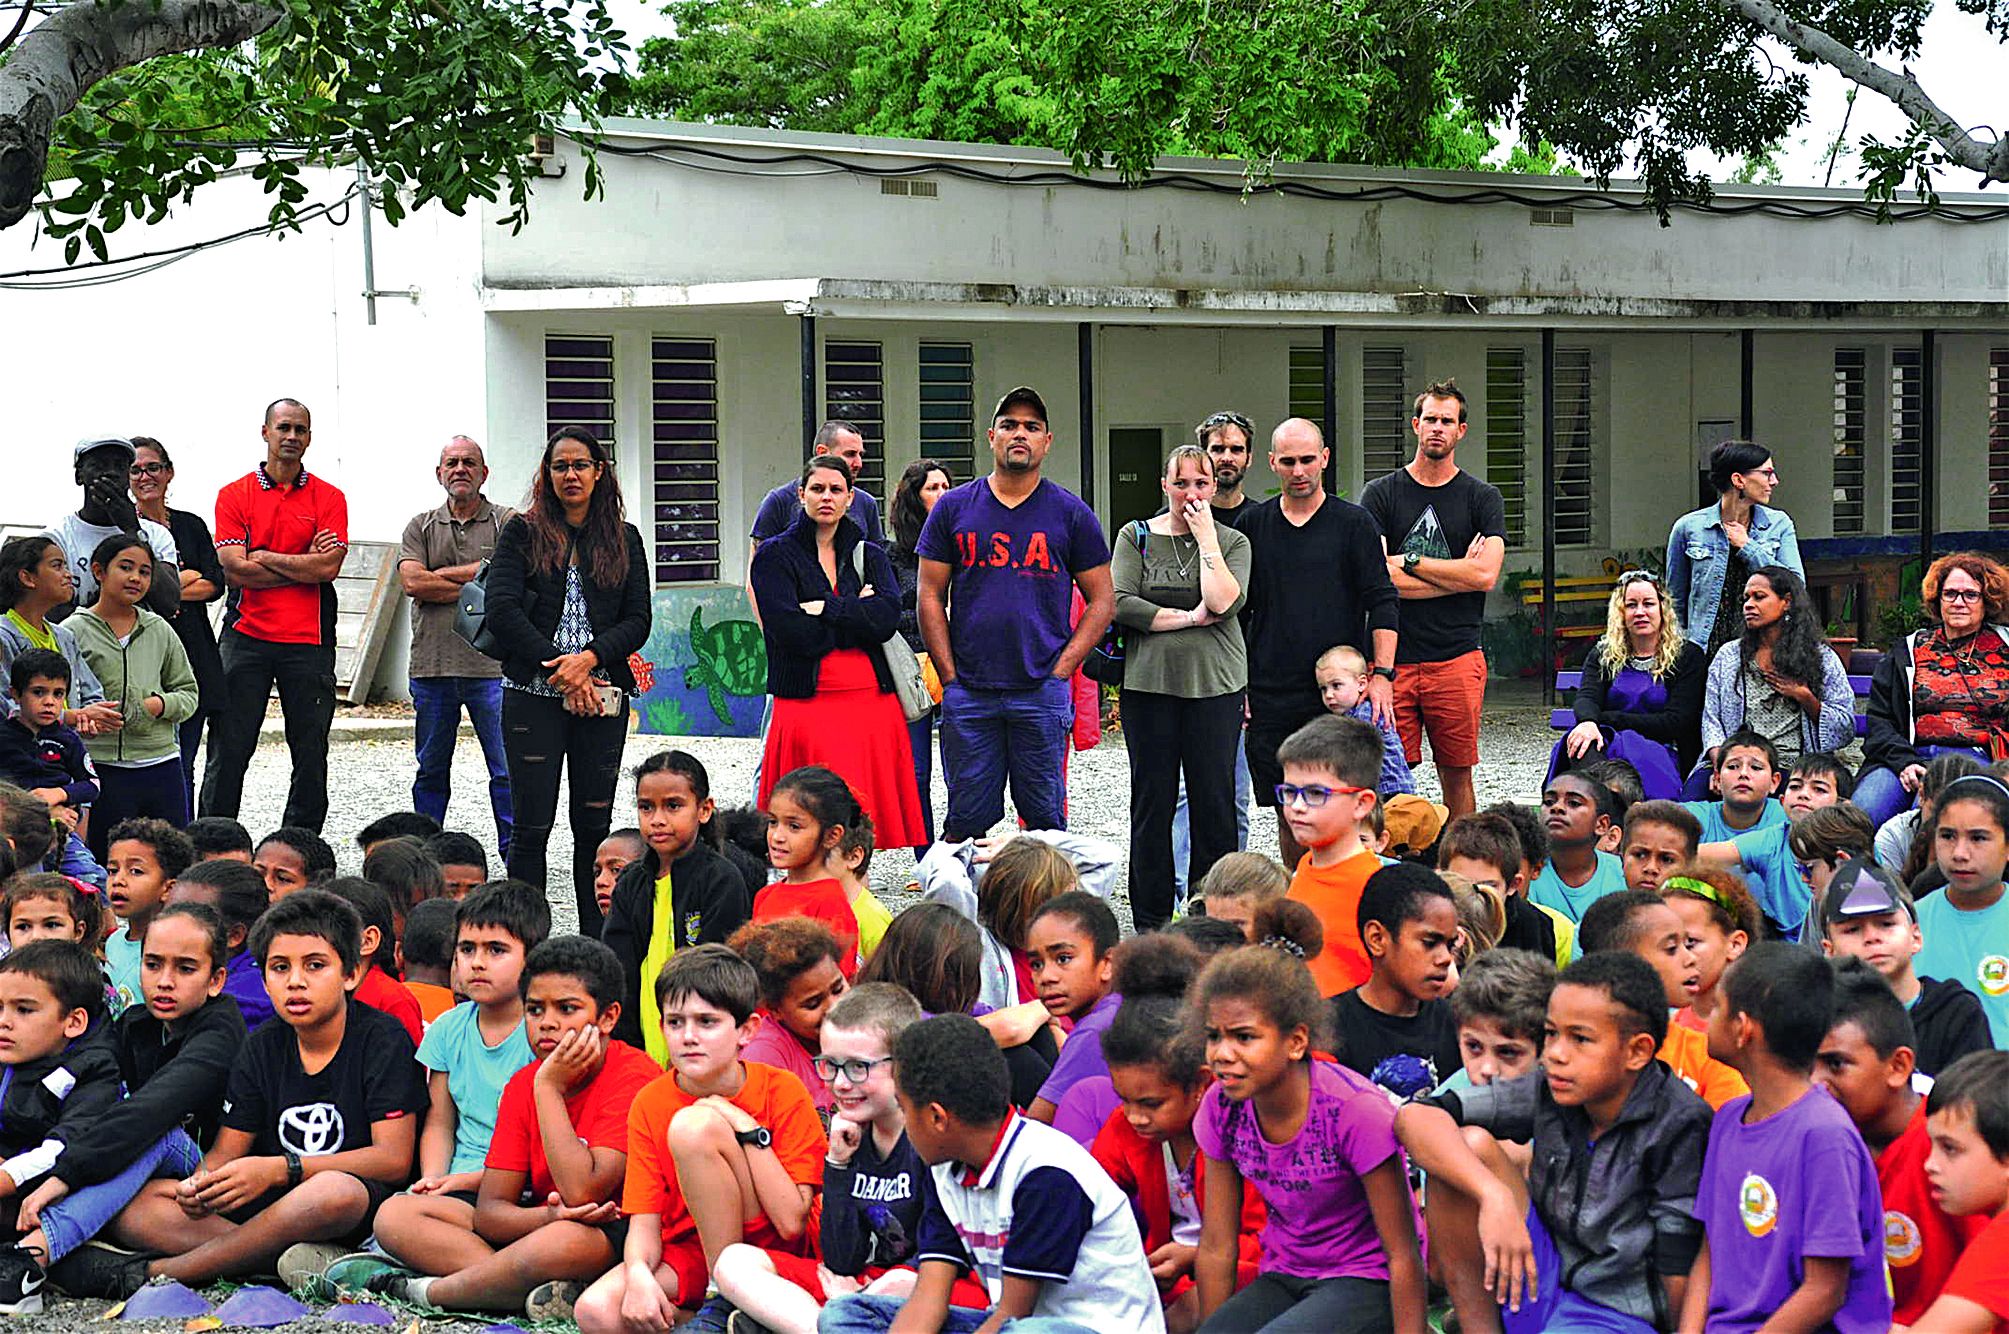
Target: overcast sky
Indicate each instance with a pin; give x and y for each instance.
(1961, 66)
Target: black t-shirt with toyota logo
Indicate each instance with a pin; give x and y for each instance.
(375, 1076)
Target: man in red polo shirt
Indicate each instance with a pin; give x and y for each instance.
(281, 535)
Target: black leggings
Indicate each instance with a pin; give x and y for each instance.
(1169, 735)
(1285, 1304)
(538, 738)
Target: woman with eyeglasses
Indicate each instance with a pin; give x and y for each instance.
(1943, 689)
(922, 484)
(201, 575)
(1641, 697)
(1779, 679)
(568, 601)
(1713, 550)
(1180, 581)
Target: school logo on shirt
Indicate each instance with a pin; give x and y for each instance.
(1757, 1205)
(1993, 975)
(1902, 1243)
(693, 922)
(312, 1128)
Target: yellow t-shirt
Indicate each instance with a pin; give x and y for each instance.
(662, 944)
(873, 919)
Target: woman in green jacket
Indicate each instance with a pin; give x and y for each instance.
(139, 659)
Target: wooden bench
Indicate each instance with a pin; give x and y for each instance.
(1578, 589)
(1562, 720)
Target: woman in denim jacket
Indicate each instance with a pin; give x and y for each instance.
(1739, 534)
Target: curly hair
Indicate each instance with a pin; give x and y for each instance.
(908, 512)
(1994, 581)
(1796, 653)
(603, 539)
(783, 949)
(1616, 646)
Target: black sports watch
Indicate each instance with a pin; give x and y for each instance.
(1410, 560)
(295, 1170)
(756, 1138)
(1385, 673)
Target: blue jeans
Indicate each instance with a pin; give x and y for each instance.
(73, 859)
(1880, 794)
(1182, 833)
(438, 701)
(921, 738)
(988, 735)
(865, 1314)
(80, 1215)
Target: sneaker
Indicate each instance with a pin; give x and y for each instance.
(553, 1301)
(100, 1269)
(301, 1264)
(21, 1280)
(350, 1272)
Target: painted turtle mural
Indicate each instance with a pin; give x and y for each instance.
(731, 660)
(710, 664)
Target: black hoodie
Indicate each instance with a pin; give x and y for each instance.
(711, 902)
(1948, 1021)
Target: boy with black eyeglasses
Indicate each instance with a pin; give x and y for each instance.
(1330, 767)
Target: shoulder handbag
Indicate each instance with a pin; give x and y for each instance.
(470, 610)
(902, 663)
(1104, 663)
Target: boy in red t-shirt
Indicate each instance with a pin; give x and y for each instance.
(561, 1138)
(1967, 1115)
(720, 1151)
(1866, 1062)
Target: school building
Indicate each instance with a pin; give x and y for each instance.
(733, 287)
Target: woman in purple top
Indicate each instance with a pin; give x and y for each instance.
(1641, 697)
(1317, 1142)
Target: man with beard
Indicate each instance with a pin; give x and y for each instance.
(103, 469)
(1007, 551)
(443, 549)
(1317, 578)
(1445, 532)
(1228, 438)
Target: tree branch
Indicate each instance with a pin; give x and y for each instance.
(86, 41)
(1990, 160)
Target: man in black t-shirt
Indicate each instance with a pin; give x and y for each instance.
(1445, 535)
(320, 1124)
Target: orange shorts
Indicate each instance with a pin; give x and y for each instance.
(1445, 700)
(686, 1259)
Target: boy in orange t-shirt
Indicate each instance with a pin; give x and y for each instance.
(1638, 921)
(1330, 767)
(701, 1139)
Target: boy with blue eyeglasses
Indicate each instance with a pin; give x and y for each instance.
(1330, 768)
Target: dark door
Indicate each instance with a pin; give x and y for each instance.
(1136, 454)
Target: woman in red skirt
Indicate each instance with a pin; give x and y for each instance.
(833, 695)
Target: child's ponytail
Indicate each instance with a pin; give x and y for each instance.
(1153, 973)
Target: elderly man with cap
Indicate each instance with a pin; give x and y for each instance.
(1007, 551)
(103, 470)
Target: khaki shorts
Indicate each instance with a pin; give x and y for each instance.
(1445, 700)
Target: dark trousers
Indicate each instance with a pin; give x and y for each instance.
(1167, 736)
(189, 733)
(540, 738)
(921, 739)
(124, 794)
(1285, 1304)
(991, 735)
(305, 675)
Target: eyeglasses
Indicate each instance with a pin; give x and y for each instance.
(854, 1071)
(1960, 595)
(1314, 795)
(147, 469)
(560, 467)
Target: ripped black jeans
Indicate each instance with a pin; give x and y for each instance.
(538, 737)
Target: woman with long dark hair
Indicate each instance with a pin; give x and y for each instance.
(568, 601)
(1778, 679)
(1941, 689)
(35, 579)
(1641, 697)
(824, 621)
(201, 575)
(921, 484)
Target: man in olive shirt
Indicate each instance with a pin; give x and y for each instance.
(443, 549)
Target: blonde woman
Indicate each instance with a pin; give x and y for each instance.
(1641, 697)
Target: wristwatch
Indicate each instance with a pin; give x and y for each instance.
(756, 1138)
(1385, 673)
(1410, 560)
(294, 1170)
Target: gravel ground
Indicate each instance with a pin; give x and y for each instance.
(368, 777)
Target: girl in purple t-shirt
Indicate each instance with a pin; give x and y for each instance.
(1317, 1142)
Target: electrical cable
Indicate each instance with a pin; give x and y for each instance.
(80, 275)
(1587, 200)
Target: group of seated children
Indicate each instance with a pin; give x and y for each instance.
(1617, 1065)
